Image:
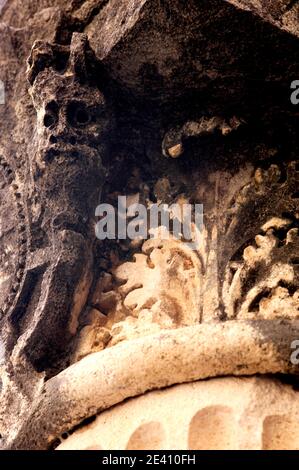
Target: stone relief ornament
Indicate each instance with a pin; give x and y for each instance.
(47, 244)
(261, 279)
(94, 328)
(66, 175)
(13, 238)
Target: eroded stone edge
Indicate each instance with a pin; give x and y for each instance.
(106, 378)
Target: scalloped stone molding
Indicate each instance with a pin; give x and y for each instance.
(263, 414)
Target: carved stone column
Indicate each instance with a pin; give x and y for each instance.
(164, 103)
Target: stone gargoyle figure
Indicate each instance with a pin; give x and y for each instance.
(66, 174)
(66, 177)
(52, 270)
(80, 343)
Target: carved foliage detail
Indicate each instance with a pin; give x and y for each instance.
(262, 277)
(160, 288)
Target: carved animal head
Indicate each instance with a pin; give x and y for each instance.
(72, 114)
(73, 121)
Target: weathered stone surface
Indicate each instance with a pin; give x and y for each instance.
(199, 64)
(263, 414)
(101, 380)
(164, 102)
(284, 14)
